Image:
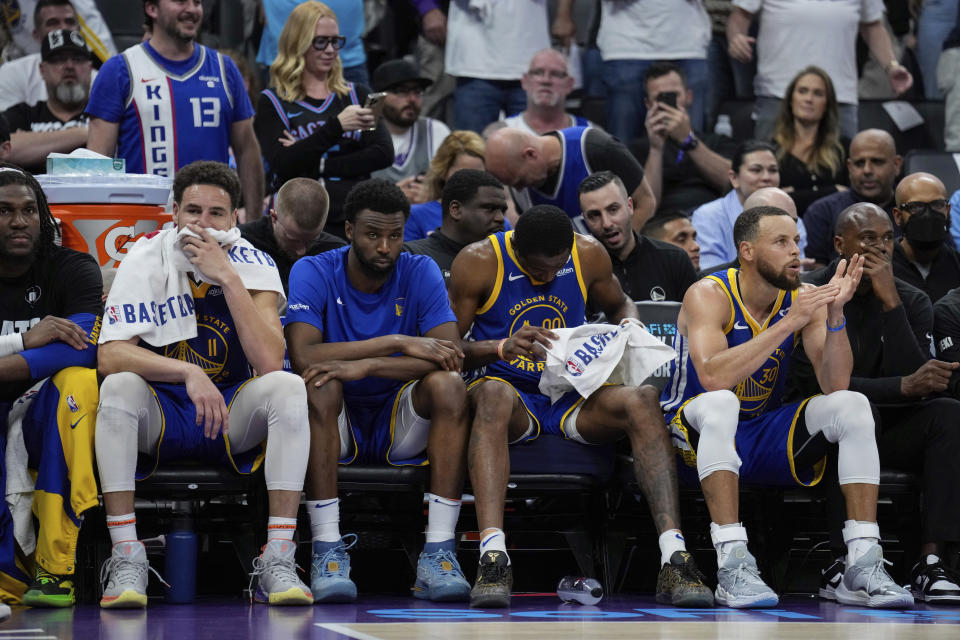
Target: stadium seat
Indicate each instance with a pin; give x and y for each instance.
(929, 135)
(125, 21)
(942, 164)
(741, 117)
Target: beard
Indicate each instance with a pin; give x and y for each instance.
(172, 29)
(545, 100)
(72, 93)
(779, 279)
(396, 116)
(374, 270)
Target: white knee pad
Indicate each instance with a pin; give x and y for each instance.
(715, 415)
(845, 417)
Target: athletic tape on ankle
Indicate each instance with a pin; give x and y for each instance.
(861, 530)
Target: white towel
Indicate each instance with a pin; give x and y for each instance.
(19, 482)
(586, 357)
(150, 297)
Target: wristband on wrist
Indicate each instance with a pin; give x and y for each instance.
(10, 344)
(500, 348)
(835, 329)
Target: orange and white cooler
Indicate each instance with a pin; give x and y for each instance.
(105, 215)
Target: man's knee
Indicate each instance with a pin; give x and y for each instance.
(324, 402)
(844, 414)
(492, 403)
(944, 427)
(287, 394)
(123, 391)
(444, 389)
(642, 409)
(714, 410)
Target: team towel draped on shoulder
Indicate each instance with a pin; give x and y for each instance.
(585, 358)
(150, 297)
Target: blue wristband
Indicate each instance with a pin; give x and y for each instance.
(840, 328)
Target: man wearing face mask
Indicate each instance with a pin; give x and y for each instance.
(921, 257)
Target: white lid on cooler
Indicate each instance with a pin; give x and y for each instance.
(125, 188)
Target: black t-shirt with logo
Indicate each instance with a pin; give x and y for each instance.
(62, 283)
(39, 118)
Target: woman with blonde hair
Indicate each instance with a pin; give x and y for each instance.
(459, 150)
(809, 148)
(311, 123)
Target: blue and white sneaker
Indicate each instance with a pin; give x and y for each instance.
(739, 584)
(867, 583)
(330, 571)
(440, 578)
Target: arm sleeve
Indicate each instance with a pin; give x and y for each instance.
(434, 307)
(109, 90)
(605, 152)
(47, 360)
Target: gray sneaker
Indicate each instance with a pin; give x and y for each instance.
(867, 583)
(276, 572)
(4, 611)
(125, 575)
(739, 584)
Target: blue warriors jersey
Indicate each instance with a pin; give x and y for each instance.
(518, 300)
(573, 169)
(216, 348)
(411, 302)
(762, 391)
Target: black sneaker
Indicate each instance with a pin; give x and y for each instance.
(681, 584)
(494, 581)
(830, 579)
(50, 590)
(932, 582)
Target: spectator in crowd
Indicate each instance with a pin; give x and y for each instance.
(459, 150)
(954, 220)
(923, 257)
(795, 33)
(20, 79)
(729, 78)
(4, 138)
(633, 35)
(889, 324)
(294, 227)
(948, 81)
(548, 169)
(809, 148)
(754, 166)
(873, 166)
(349, 16)
(547, 84)
(350, 309)
(415, 138)
(311, 123)
(161, 384)
(934, 24)
(474, 206)
(50, 312)
(57, 124)
(647, 269)
(23, 29)
(505, 291)
(675, 228)
(134, 99)
(487, 49)
(685, 168)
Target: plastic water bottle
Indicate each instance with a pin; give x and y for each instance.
(180, 566)
(723, 126)
(581, 590)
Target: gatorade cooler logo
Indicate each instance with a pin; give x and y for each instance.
(108, 238)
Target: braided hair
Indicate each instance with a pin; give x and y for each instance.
(12, 174)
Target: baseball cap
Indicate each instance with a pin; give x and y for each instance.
(396, 72)
(61, 40)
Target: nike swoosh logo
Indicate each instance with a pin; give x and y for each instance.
(294, 114)
(146, 80)
(73, 425)
(783, 312)
(740, 325)
(483, 544)
(339, 301)
(513, 276)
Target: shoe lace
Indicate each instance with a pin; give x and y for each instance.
(437, 558)
(491, 572)
(745, 573)
(938, 571)
(877, 574)
(125, 570)
(44, 577)
(691, 572)
(277, 567)
(321, 563)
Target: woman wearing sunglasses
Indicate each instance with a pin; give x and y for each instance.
(311, 122)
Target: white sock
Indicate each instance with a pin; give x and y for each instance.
(726, 537)
(496, 540)
(122, 528)
(859, 536)
(442, 516)
(281, 528)
(324, 519)
(670, 541)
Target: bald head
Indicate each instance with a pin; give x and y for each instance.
(547, 57)
(508, 152)
(865, 229)
(876, 138)
(771, 197)
(860, 215)
(920, 187)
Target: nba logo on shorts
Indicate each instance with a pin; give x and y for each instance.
(114, 314)
(72, 404)
(575, 368)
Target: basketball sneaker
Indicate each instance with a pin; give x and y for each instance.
(681, 584)
(50, 590)
(4, 611)
(276, 573)
(739, 584)
(494, 581)
(830, 579)
(330, 571)
(934, 583)
(440, 578)
(867, 583)
(125, 575)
